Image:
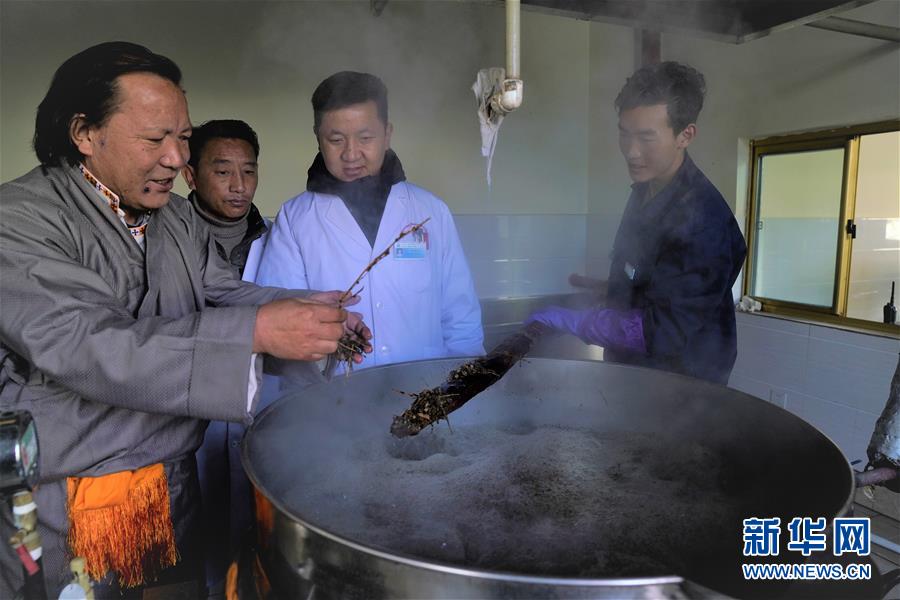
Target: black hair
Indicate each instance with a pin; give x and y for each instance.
(87, 84)
(680, 87)
(229, 129)
(345, 89)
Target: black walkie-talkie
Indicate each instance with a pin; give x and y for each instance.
(890, 311)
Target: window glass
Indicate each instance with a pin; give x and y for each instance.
(797, 226)
(875, 258)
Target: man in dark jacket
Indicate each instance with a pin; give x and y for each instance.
(678, 250)
(223, 172)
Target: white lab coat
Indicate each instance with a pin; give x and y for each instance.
(416, 308)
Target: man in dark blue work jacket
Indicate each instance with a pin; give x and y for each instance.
(678, 249)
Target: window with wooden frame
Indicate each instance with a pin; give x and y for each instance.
(824, 225)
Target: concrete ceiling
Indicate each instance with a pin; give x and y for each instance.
(733, 21)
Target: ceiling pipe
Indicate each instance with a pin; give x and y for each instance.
(513, 30)
(509, 98)
(647, 47)
(869, 30)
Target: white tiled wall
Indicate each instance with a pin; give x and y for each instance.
(522, 255)
(836, 380)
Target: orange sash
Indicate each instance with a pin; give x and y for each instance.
(121, 522)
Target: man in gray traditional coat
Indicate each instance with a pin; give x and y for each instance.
(122, 330)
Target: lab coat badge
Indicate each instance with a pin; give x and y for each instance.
(412, 247)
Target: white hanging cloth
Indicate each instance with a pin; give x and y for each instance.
(488, 83)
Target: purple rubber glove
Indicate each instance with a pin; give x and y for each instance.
(601, 326)
(558, 318)
(619, 329)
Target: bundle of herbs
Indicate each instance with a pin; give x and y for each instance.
(464, 383)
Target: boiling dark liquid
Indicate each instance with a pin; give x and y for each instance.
(537, 501)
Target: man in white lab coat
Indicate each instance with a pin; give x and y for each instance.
(419, 301)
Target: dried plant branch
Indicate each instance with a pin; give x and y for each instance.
(375, 260)
(352, 342)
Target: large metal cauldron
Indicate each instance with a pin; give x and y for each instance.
(310, 455)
